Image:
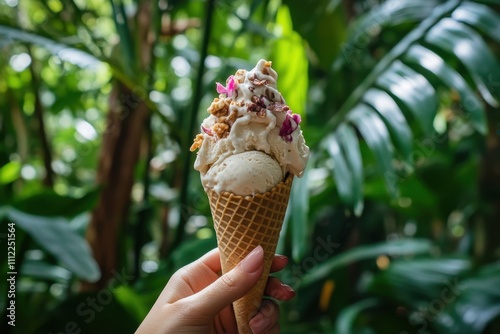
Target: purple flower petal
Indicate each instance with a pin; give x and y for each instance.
(290, 124)
(296, 118)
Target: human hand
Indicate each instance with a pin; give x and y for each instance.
(196, 300)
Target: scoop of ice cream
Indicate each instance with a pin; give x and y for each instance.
(250, 114)
(243, 174)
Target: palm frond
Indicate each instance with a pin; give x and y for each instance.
(401, 88)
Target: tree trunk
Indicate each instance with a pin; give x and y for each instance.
(119, 156)
(127, 117)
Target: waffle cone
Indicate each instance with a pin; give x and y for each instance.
(243, 223)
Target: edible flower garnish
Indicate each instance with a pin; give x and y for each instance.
(207, 131)
(230, 87)
(290, 124)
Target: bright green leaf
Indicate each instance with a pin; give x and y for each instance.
(10, 172)
(290, 62)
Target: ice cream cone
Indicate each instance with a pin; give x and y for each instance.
(241, 224)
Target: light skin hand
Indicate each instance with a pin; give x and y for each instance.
(196, 300)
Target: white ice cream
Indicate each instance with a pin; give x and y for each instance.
(246, 173)
(249, 115)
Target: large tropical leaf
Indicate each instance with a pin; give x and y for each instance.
(407, 247)
(57, 237)
(400, 90)
(442, 293)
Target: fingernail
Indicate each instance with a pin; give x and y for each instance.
(253, 261)
(280, 294)
(259, 323)
(288, 287)
(283, 258)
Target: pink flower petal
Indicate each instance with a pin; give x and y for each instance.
(221, 89)
(207, 131)
(231, 86)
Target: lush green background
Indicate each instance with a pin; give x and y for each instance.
(392, 229)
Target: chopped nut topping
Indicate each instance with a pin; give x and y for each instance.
(257, 82)
(232, 117)
(219, 107)
(220, 129)
(262, 113)
(240, 75)
(198, 140)
(278, 107)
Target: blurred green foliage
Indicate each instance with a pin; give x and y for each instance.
(393, 227)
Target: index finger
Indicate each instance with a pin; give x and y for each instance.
(211, 260)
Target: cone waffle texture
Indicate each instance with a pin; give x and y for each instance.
(241, 224)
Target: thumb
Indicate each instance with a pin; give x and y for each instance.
(233, 285)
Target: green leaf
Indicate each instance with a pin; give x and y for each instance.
(407, 247)
(430, 61)
(480, 17)
(191, 250)
(393, 118)
(56, 237)
(388, 13)
(126, 42)
(348, 140)
(445, 290)
(132, 302)
(347, 317)
(323, 17)
(376, 136)
(10, 172)
(46, 271)
(341, 171)
(299, 209)
(88, 312)
(468, 46)
(417, 282)
(289, 49)
(477, 295)
(414, 91)
(384, 64)
(69, 53)
(49, 203)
